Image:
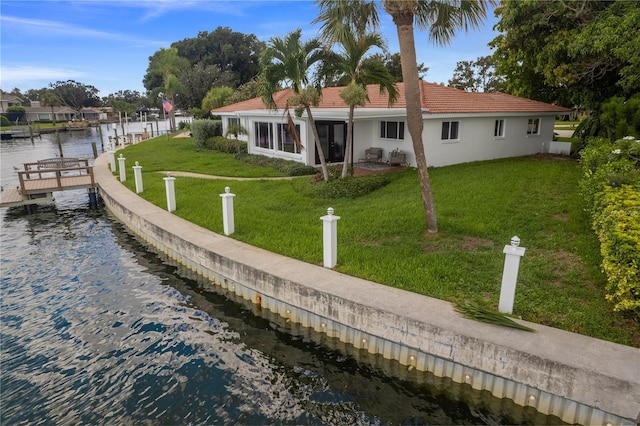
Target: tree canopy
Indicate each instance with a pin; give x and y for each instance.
(571, 52)
(477, 76)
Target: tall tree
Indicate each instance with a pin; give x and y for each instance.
(572, 52)
(441, 18)
(354, 44)
(198, 79)
(75, 95)
(232, 52)
(290, 61)
(477, 76)
(166, 63)
(392, 63)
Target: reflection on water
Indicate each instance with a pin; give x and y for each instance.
(95, 329)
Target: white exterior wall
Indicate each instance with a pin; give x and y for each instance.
(367, 135)
(476, 141)
(475, 138)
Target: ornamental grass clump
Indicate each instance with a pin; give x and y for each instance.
(611, 189)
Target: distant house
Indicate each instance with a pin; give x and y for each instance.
(459, 126)
(87, 113)
(7, 100)
(40, 113)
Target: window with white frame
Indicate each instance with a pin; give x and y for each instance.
(498, 130)
(233, 121)
(263, 135)
(392, 129)
(533, 126)
(450, 130)
(286, 140)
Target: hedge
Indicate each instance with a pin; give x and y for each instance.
(611, 190)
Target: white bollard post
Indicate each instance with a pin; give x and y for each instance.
(330, 238)
(169, 183)
(227, 211)
(510, 275)
(123, 172)
(112, 160)
(137, 174)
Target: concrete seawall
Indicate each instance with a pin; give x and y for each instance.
(576, 378)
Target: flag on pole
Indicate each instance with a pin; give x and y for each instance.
(166, 105)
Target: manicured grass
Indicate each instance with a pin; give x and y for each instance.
(382, 236)
(566, 125)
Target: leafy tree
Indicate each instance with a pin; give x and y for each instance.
(621, 117)
(290, 61)
(198, 79)
(392, 63)
(572, 52)
(75, 95)
(477, 76)
(248, 90)
(349, 33)
(216, 97)
(231, 51)
(126, 101)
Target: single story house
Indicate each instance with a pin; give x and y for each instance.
(87, 113)
(36, 112)
(459, 126)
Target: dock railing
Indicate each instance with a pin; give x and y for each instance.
(56, 174)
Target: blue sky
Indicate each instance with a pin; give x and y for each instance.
(107, 43)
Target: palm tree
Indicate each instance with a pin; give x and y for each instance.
(168, 63)
(441, 18)
(290, 61)
(350, 64)
(50, 99)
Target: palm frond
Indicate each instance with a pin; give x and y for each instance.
(474, 311)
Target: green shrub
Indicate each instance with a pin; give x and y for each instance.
(611, 189)
(618, 228)
(350, 187)
(201, 130)
(4, 121)
(288, 167)
(230, 146)
(16, 108)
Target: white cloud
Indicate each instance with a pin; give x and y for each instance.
(15, 75)
(55, 28)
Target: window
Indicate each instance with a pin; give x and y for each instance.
(263, 135)
(498, 130)
(392, 129)
(450, 130)
(286, 141)
(233, 121)
(533, 127)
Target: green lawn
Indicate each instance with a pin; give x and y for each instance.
(382, 236)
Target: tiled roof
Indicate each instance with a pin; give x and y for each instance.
(436, 99)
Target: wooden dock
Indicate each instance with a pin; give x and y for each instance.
(38, 181)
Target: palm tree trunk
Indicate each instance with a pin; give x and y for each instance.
(348, 149)
(312, 123)
(404, 25)
(172, 114)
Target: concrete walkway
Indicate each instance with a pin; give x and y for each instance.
(583, 370)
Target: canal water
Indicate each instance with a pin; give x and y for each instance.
(95, 329)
